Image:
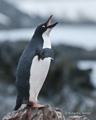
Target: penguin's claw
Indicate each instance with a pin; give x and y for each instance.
(36, 105)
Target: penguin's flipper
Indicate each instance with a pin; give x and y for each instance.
(45, 53)
(18, 102)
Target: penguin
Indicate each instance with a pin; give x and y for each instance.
(33, 66)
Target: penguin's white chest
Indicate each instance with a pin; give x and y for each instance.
(38, 72)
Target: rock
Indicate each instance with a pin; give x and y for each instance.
(46, 113)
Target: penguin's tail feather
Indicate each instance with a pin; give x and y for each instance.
(18, 102)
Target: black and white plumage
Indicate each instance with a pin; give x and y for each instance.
(34, 65)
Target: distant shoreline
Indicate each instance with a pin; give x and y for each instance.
(81, 36)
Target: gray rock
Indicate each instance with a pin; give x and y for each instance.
(46, 113)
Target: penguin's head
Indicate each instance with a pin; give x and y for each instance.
(45, 27)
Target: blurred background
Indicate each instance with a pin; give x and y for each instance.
(71, 82)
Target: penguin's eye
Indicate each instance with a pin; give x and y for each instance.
(43, 26)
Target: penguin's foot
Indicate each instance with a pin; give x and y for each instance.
(36, 105)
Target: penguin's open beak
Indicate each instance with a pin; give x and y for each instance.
(48, 23)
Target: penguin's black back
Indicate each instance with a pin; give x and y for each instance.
(23, 70)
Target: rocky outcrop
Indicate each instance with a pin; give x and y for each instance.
(46, 113)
